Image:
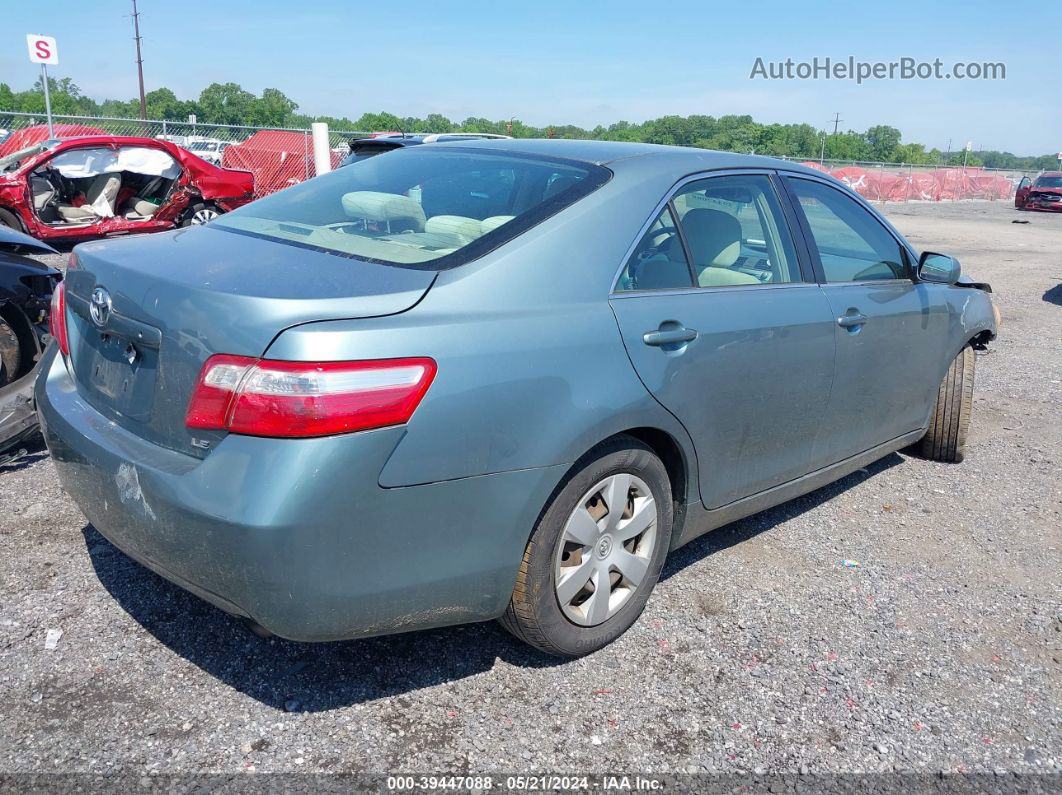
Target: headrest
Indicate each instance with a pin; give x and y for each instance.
(714, 237)
(385, 207)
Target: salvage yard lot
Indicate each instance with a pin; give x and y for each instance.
(941, 649)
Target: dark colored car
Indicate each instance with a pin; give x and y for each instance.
(494, 379)
(103, 185)
(361, 148)
(1043, 193)
(26, 288)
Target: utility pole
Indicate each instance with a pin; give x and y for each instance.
(836, 117)
(139, 61)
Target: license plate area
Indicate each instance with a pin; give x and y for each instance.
(120, 374)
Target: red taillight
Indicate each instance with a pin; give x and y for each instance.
(261, 397)
(57, 318)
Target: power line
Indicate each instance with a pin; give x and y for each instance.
(139, 61)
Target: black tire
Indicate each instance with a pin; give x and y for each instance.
(10, 354)
(534, 614)
(950, 422)
(189, 217)
(9, 219)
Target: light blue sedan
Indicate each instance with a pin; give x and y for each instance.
(493, 379)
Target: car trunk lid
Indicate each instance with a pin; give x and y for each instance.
(145, 313)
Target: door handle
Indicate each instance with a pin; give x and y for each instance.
(852, 319)
(669, 336)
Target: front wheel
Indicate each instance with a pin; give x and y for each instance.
(948, 426)
(596, 553)
(199, 214)
(10, 220)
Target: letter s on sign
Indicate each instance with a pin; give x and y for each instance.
(42, 49)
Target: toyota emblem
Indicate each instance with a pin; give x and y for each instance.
(100, 306)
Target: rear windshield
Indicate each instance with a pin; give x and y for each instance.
(424, 206)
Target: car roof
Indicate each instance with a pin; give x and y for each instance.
(412, 139)
(612, 153)
(186, 158)
(81, 140)
(1050, 174)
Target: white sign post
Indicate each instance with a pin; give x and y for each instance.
(43, 50)
(322, 156)
(1060, 161)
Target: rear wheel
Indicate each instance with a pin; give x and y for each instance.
(200, 213)
(948, 426)
(10, 354)
(596, 553)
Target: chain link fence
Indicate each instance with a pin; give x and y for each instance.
(278, 157)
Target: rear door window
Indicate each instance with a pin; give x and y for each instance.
(735, 232)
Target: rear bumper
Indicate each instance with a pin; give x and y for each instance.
(297, 534)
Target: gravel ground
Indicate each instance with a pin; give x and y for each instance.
(759, 651)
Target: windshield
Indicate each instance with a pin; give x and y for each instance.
(1049, 182)
(424, 206)
(12, 161)
(204, 146)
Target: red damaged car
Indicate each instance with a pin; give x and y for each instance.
(1045, 193)
(103, 185)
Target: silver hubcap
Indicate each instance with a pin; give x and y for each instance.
(605, 549)
(204, 215)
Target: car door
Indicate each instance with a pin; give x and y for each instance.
(1021, 195)
(890, 329)
(729, 332)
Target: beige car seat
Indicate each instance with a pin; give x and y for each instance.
(457, 229)
(140, 206)
(714, 238)
(492, 223)
(101, 193)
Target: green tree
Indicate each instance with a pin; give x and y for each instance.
(436, 122)
(883, 142)
(379, 122)
(162, 103)
(225, 103)
(272, 109)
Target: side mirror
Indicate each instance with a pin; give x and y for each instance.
(938, 268)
